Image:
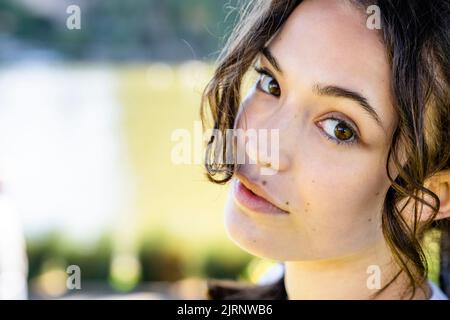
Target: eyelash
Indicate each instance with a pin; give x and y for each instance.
(355, 140)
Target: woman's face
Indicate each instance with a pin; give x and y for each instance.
(330, 70)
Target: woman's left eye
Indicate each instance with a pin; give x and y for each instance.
(339, 131)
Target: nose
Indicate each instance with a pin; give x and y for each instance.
(264, 149)
(263, 141)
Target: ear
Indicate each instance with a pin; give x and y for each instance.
(440, 185)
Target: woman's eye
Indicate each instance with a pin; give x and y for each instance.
(339, 131)
(269, 85)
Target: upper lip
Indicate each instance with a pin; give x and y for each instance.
(258, 190)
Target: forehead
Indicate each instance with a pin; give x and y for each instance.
(327, 41)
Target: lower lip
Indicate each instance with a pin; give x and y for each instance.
(250, 200)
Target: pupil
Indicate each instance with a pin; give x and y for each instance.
(343, 132)
(273, 88)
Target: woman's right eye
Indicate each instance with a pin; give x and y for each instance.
(268, 84)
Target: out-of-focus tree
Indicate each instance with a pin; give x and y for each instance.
(169, 30)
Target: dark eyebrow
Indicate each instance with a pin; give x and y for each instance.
(273, 61)
(330, 90)
(335, 91)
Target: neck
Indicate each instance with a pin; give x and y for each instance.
(356, 276)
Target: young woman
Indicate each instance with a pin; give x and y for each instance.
(363, 115)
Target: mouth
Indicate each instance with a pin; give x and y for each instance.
(252, 197)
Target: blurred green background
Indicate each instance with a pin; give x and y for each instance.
(86, 146)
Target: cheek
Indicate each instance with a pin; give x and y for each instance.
(338, 191)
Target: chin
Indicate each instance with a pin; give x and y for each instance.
(254, 236)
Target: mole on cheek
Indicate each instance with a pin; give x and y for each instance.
(306, 209)
(377, 193)
(264, 182)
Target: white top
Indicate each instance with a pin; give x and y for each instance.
(436, 292)
(277, 271)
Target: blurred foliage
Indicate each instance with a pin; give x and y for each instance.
(157, 256)
(431, 245)
(169, 30)
(94, 260)
(166, 261)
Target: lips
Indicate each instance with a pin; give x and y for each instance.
(252, 198)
